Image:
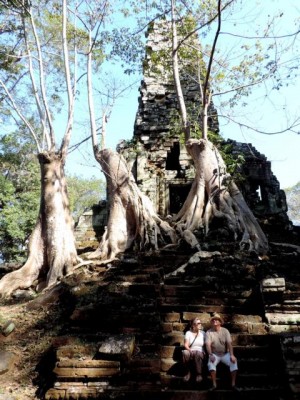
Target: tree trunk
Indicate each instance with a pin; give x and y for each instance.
(132, 219)
(52, 251)
(215, 202)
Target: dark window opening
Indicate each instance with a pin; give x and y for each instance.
(172, 162)
(178, 195)
(134, 169)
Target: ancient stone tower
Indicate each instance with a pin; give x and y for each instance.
(159, 160)
(157, 155)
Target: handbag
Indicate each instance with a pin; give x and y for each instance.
(177, 354)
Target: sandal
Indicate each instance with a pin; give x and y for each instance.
(187, 377)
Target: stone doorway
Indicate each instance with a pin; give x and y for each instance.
(177, 196)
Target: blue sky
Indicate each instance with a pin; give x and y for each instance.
(269, 113)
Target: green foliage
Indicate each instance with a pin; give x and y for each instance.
(234, 162)
(127, 47)
(84, 193)
(19, 196)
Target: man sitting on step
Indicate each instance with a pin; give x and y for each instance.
(219, 349)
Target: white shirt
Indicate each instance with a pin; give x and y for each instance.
(199, 341)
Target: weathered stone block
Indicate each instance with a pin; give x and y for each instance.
(273, 284)
(204, 317)
(167, 351)
(81, 393)
(75, 351)
(275, 329)
(171, 317)
(283, 319)
(83, 373)
(6, 361)
(246, 319)
(88, 364)
(174, 338)
(55, 394)
(119, 347)
(166, 327)
(166, 364)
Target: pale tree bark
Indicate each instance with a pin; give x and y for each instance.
(214, 199)
(176, 75)
(52, 252)
(132, 219)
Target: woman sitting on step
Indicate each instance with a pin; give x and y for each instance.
(193, 354)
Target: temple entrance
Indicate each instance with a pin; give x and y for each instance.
(178, 194)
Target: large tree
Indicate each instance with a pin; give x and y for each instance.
(45, 46)
(214, 197)
(132, 219)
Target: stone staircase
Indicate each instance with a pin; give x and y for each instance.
(119, 340)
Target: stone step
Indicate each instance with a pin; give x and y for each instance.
(176, 338)
(155, 394)
(283, 318)
(198, 308)
(291, 295)
(74, 392)
(219, 394)
(83, 373)
(241, 323)
(85, 369)
(242, 352)
(88, 317)
(249, 365)
(172, 376)
(251, 353)
(89, 363)
(283, 308)
(205, 301)
(200, 291)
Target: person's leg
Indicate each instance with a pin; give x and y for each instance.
(233, 378)
(186, 357)
(233, 368)
(213, 375)
(212, 367)
(197, 356)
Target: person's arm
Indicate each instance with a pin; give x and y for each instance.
(230, 349)
(211, 357)
(187, 342)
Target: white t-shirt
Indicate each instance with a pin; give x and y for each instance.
(199, 341)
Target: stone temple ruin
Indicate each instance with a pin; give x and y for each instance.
(157, 156)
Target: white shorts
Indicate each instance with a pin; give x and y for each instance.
(212, 366)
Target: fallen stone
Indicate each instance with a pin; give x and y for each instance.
(119, 347)
(7, 328)
(6, 361)
(7, 397)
